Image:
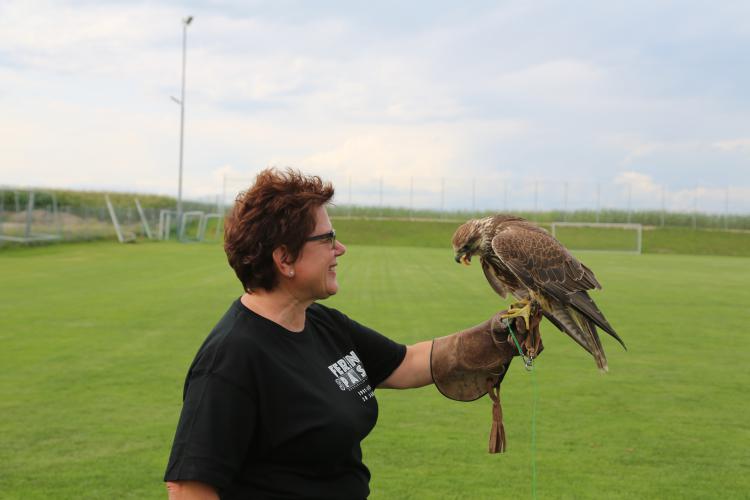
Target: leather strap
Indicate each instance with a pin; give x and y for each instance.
(497, 433)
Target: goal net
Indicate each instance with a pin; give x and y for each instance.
(28, 217)
(600, 237)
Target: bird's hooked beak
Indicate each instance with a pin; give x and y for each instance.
(463, 258)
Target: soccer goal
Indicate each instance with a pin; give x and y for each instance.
(216, 222)
(166, 219)
(601, 237)
(29, 217)
(190, 226)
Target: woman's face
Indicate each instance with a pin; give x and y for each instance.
(315, 268)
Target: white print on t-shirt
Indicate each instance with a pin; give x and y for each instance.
(350, 374)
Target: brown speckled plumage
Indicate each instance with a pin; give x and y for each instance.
(522, 259)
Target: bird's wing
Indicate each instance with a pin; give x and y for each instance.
(493, 280)
(542, 264)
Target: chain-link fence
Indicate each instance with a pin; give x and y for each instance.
(636, 200)
(29, 216)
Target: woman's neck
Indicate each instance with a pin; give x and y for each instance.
(278, 306)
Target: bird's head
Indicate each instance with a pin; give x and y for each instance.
(466, 241)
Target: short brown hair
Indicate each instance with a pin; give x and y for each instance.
(277, 210)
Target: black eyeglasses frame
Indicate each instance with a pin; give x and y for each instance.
(330, 235)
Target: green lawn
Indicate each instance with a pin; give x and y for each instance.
(95, 340)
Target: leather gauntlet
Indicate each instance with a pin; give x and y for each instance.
(471, 363)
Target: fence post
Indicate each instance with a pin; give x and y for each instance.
(630, 200)
(726, 209)
(350, 195)
(223, 193)
(411, 198)
(2, 211)
(695, 208)
(29, 214)
(442, 197)
(84, 210)
(663, 206)
(56, 218)
(381, 196)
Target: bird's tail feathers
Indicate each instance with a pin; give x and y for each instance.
(586, 305)
(595, 343)
(560, 315)
(579, 328)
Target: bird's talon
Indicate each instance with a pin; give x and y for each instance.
(522, 309)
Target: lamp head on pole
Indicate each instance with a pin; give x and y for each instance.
(188, 20)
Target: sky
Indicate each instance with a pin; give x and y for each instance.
(447, 104)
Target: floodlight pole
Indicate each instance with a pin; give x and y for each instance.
(185, 23)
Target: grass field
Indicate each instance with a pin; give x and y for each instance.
(95, 341)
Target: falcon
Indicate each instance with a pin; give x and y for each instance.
(524, 260)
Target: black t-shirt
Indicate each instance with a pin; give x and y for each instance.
(269, 413)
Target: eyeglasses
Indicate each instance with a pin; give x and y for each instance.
(330, 235)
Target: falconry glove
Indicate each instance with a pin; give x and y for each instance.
(471, 363)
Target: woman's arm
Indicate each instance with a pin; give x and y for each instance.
(414, 370)
(191, 490)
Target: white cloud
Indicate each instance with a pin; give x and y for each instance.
(641, 184)
(645, 193)
(449, 94)
(556, 81)
(698, 199)
(733, 145)
(639, 150)
(97, 39)
(427, 150)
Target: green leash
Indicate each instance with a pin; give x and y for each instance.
(529, 365)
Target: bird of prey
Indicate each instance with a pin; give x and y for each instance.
(523, 259)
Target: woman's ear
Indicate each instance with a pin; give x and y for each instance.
(283, 261)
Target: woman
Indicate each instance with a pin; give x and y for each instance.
(280, 394)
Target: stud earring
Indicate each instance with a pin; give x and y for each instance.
(291, 273)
